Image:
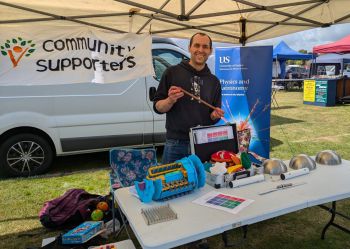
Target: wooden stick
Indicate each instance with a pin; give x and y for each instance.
(198, 98)
(202, 101)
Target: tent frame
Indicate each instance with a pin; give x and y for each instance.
(181, 18)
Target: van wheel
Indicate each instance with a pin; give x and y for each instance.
(25, 155)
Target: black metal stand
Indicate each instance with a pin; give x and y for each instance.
(113, 210)
(230, 244)
(333, 211)
(124, 222)
(124, 225)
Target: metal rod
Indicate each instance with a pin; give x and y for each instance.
(283, 23)
(182, 25)
(285, 20)
(195, 7)
(150, 19)
(146, 7)
(247, 10)
(269, 9)
(183, 8)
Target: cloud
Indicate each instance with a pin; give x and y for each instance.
(309, 38)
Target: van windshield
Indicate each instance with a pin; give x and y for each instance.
(164, 58)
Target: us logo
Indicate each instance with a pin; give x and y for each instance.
(15, 49)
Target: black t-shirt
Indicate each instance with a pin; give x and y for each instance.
(187, 112)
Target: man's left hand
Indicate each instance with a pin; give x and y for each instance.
(217, 113)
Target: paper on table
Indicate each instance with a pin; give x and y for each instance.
(228, 203)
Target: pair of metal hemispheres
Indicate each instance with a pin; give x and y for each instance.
(275, 166)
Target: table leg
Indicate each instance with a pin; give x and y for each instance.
(333, 211)
(230, 244)
(123, 225)
(124, 222)
(113, 211)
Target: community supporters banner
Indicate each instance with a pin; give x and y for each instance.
(245, 75)
(60, 55)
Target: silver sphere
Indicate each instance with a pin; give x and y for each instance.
(302, 161)
(274, 166)
(328, 157)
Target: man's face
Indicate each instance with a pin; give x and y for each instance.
(200, 49)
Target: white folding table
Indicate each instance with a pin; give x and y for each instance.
(324, 184)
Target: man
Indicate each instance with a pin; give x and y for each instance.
(182, 111)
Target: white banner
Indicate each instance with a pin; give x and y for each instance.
(61, 55)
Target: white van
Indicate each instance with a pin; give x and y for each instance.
(39, 122)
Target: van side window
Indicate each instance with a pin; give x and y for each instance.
(164, 58)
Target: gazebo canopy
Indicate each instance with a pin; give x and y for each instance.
(333, 58)
(283, 52)
(342, 47)
(234, 21)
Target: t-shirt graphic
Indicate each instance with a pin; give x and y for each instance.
(197, 82)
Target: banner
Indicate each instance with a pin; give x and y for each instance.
(245, 74)
(61, 55)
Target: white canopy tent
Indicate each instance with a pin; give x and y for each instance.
(234, 21)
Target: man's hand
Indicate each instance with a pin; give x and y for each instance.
(174, 94)
(217, 113)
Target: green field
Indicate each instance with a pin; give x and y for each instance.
(295, 128)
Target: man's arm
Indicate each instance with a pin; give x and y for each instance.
(164, 105)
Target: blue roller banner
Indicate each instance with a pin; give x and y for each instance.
(245, 74)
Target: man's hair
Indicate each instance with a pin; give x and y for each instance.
(202, 34)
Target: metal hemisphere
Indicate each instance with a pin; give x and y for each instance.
(328, 157)
(302, 161)
(274, 166)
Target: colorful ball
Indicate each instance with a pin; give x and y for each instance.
(97, 215)
(102, 205)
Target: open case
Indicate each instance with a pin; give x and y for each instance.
(206, 140)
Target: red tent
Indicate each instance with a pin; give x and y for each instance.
(342, 46)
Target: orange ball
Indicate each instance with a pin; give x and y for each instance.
(102, 205)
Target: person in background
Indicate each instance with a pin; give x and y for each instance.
(182, 111)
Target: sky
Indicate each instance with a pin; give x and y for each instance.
(309, 38)
(300, 40)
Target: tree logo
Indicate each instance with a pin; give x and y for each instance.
(16, 48)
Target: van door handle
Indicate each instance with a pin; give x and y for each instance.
(152, 93)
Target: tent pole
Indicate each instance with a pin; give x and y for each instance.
(195, 7)
(254, 9)
(146, 7)
(150, 19)
(269, 9)
(286, 19)
(183, 8)
(243, 37)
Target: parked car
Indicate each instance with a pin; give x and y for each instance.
(297, 73)
(38, 123)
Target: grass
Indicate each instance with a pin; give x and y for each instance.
(295, 128)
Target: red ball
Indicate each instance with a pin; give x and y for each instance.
(103, 206)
